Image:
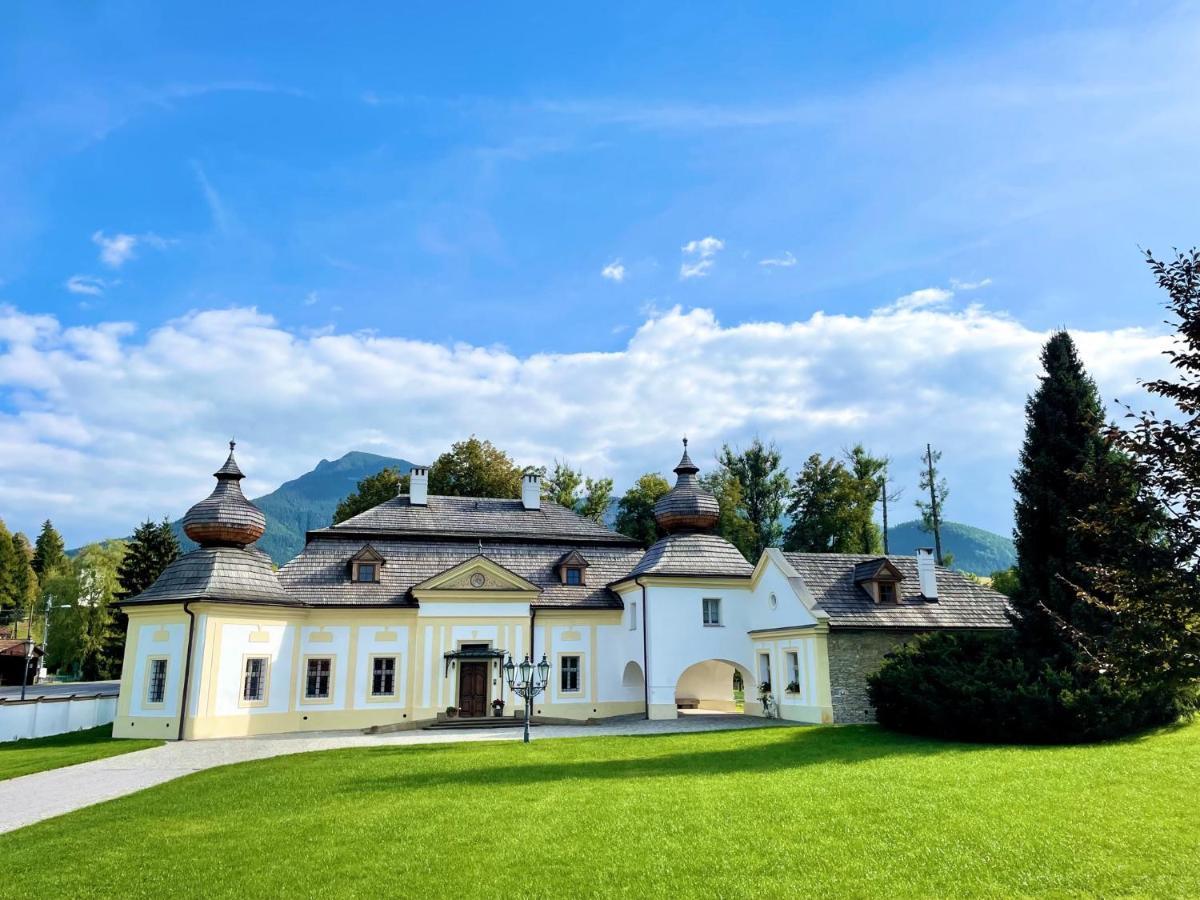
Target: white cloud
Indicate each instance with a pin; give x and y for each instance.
(702, 255)
(85, 284)
(106, 426)
(614, 271)
(969, 285)
(311, 298)
(924, 298)
(784, 262)
(117, 250)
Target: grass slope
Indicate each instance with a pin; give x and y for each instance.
(975, 550)
(39, 754)
(804, 811)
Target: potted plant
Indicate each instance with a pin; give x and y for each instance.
(765, 698)
(497, 707)
(793, 687)
(451, 712)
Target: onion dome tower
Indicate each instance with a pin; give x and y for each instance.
(689, 515)
(225, 518)
(225, 567)
(687, 506)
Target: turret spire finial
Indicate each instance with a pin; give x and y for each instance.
(232, 444)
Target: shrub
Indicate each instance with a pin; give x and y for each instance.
(978, 687)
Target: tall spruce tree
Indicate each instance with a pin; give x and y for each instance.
(1056, 496)
(8, 567)
(49, 553)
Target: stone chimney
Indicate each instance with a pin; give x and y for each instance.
(927, 574)
(531, 491)
(418, 486)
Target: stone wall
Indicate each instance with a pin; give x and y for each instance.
(853, 655)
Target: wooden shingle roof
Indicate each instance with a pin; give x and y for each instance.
(961, 603)
(318, 575)
(693, 554)
(216, 573)
(471, 517)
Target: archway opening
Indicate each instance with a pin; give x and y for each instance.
(632, 677)
(711, 687)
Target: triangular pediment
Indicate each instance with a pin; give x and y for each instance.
(368, 554)
(881, 569)
(572, 558)
(478, 574)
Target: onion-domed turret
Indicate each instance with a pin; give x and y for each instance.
(225, 518)
(687, 506)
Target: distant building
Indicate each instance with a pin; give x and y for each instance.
(409, 608)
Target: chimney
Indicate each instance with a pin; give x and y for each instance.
(418, 486)
(927, 574)
(531, 490)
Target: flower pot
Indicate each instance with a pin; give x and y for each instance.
(498, 711)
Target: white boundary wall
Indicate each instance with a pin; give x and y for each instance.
(44, 716)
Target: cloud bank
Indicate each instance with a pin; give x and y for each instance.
(101, 426)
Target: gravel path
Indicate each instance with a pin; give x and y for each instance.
(42, 795)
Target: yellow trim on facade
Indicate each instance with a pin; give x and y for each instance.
(266, 681)
(306, 700)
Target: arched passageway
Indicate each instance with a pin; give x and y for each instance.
(709, 685)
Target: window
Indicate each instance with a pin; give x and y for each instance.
(365, 572)
(574, 575)
(156, 684)
(633, 617)
(570, 674)
(764, 670)
(793, 670)
(316, 678)
(712, 611)
(254, 680)
(383, 676)
(887, 592)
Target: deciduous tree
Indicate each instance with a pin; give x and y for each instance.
(764, 487)
(635, 509)
(370, 492)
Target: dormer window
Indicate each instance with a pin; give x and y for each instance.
(572, 568)
(365, 565)
(880, 578)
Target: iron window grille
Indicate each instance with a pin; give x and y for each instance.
(570, 674)
(158, 681)
(255, 679)
(383, 678)
(316, 686)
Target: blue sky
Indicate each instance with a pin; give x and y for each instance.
(509, 193)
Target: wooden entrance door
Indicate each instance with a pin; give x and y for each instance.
(472, 688)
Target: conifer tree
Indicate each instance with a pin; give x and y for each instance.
(1056, 494)
(152, 548)
(49, 553)
(8, 561)
(24, 580)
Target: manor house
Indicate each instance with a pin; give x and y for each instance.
(404, 611)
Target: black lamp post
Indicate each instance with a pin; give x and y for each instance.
(527, 681)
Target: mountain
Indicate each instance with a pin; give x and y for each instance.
(308, 502)
(975, 550)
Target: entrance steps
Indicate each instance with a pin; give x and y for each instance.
(489, 722)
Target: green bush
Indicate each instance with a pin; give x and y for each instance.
(978, 687)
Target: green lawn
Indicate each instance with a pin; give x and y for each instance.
(773, 812)
(39, 754)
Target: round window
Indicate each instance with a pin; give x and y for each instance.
(773, 601)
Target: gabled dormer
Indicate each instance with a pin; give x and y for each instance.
(365, 565)
(880, 578)
(572, 568)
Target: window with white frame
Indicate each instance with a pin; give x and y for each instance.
(156, 681)
(254, 679)
(316, 678)
(712, 610)
(633, 617)
(764, 670)
(569, 674)
(383, 676)
(793, 671)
